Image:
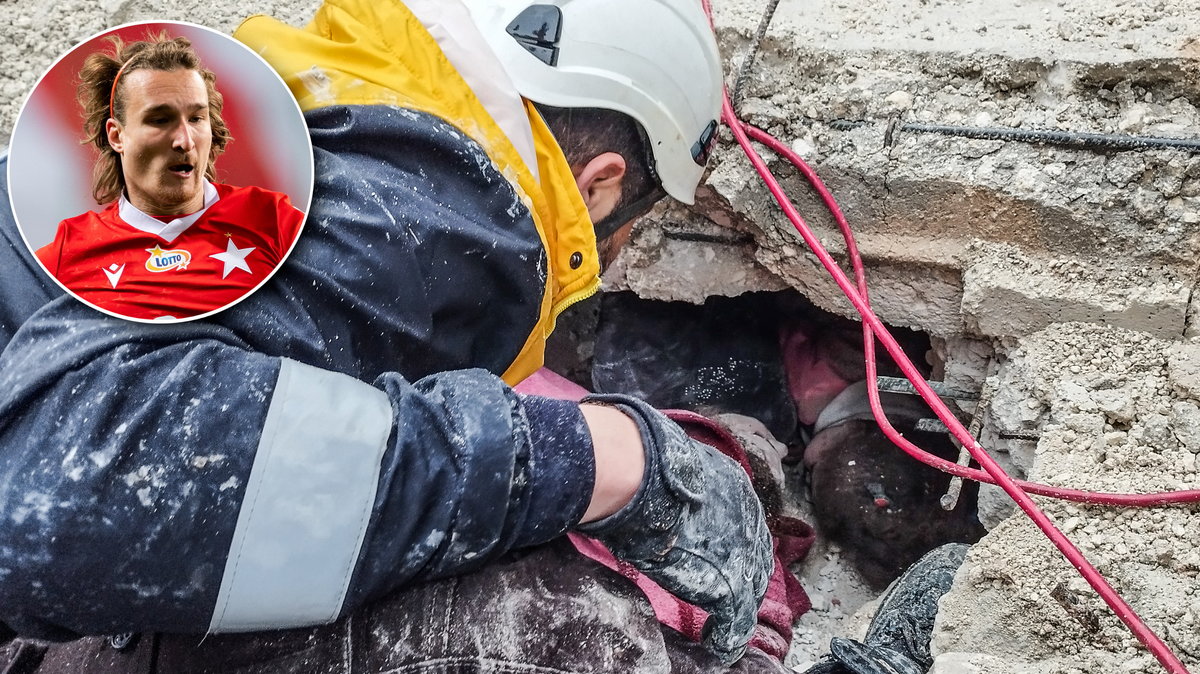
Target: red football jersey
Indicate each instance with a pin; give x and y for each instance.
(131, 264)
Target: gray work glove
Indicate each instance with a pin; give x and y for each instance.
(848, 656)
(695, 527)
(897, 640)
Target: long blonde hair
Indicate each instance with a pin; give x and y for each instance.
(99, 98)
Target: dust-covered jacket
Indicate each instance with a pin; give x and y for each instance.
(344, 431)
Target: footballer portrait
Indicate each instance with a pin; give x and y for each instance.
(167, 235)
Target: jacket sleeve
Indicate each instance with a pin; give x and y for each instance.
(165, 477)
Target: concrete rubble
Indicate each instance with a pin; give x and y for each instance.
(1074, 270)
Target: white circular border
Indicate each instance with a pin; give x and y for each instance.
(12, 199)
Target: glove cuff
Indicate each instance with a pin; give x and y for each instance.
(561, 468)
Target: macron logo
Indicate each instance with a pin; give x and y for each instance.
(114, 273)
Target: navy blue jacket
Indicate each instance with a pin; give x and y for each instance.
(312, 448)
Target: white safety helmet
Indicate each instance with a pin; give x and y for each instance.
(654, 60)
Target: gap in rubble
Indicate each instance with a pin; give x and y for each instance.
(766, 364)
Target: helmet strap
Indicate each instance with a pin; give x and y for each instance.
(610, 223)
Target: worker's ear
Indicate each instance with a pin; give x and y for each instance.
(600, 182)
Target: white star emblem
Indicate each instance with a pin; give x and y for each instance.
(234, 258)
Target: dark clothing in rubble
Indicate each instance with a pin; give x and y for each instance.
(882, 506)
(898, 639)
(547, 610)
(758, 354)
(722, 356)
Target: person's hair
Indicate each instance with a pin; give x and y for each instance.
(158, 52)
(883, 539)
(585, 133)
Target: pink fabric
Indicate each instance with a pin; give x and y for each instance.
(812, 382)
(785, 600)
(551, 385)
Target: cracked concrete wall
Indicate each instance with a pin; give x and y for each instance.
(1075, 269)
(939, 219)
(1116, 411)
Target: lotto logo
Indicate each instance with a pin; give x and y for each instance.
(166, 260)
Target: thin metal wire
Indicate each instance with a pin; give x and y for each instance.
(1072, 139)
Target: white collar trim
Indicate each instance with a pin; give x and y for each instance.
(167, 231)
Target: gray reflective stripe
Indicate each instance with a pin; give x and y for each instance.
(307, 502)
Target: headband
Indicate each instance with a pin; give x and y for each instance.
(112, 94)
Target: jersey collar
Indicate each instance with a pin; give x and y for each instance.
(165, 230)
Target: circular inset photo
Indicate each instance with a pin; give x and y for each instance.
(160, 171)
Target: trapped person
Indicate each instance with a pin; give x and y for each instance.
(170, 243)
(347, 438)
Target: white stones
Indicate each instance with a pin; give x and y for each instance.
(1185, 424)
(1123, 168)
(984, 119)
(1183, 369)
(899, 101)
(1116, 404)
(1192, 331)
(804, 147)
(1134, 118)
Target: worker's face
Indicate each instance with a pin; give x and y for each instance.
(165, 140)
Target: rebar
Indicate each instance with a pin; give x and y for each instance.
(747, 63)
(1100, 142)
(904, 386)
(949, 500)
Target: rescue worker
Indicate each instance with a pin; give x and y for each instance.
(349, 430)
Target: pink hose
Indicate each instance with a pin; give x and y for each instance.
(874, 328)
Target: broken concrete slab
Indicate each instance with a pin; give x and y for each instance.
(1010, 293)
(688, 260)
(1192, 331)
(1183, 369)
(1109, 420)
(918, 202)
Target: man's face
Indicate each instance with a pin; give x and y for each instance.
(165, 141)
